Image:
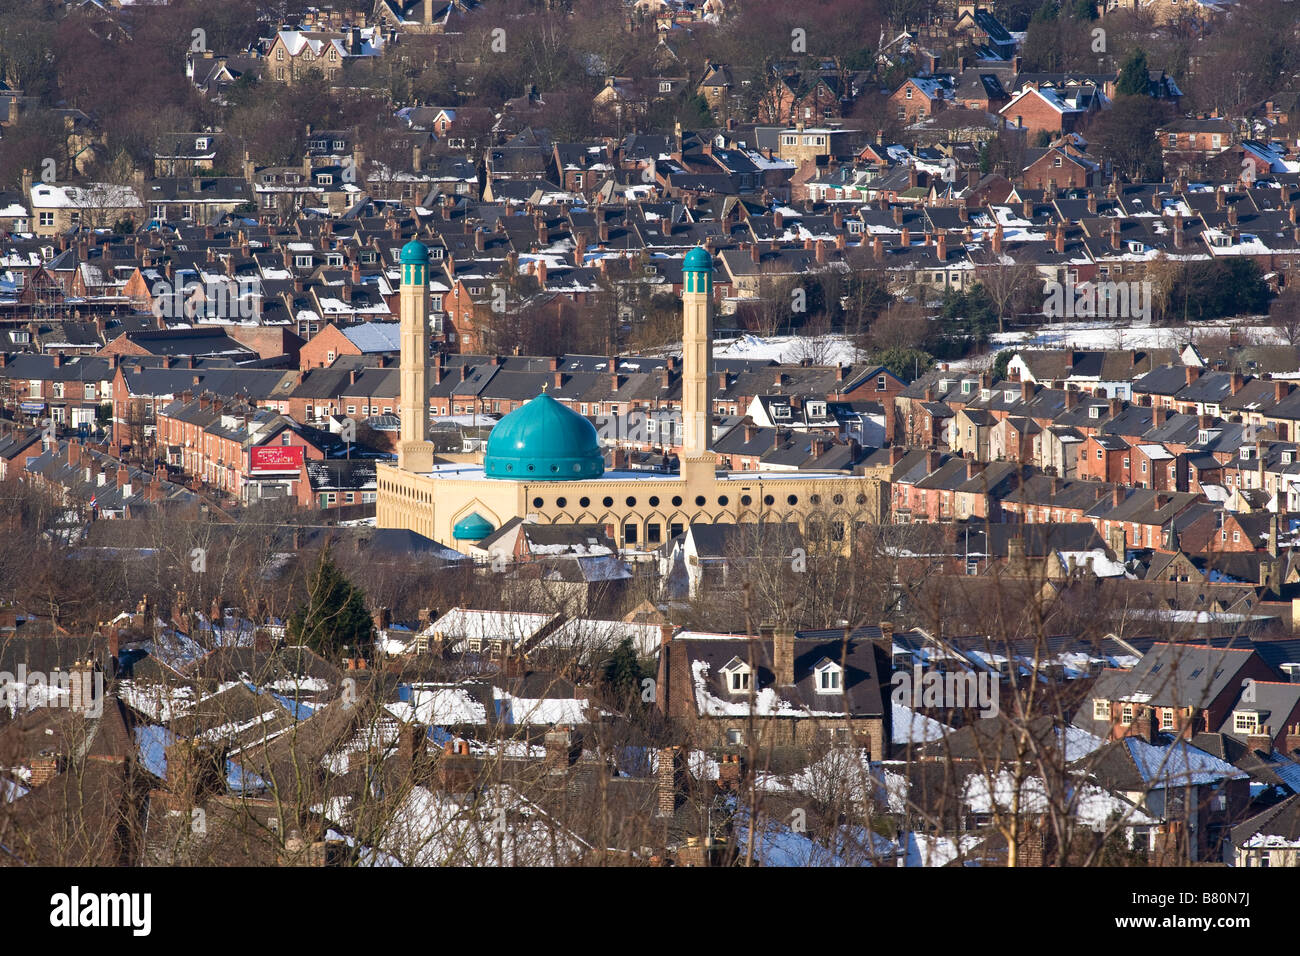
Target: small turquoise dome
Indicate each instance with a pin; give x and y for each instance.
(697, 260)
(543, 441)
(472, 527)
(415, 253)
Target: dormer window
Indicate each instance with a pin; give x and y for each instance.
(736, 674)
(1245, 721)
(1009, 395)
(1100, 709)
(828, 677)
(1094, 411)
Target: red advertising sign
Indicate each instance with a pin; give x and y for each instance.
(274, 459)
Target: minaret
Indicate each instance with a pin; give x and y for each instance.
(414, 452)
(697, 462)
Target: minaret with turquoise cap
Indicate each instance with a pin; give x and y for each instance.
(697, 366)
(414, 452)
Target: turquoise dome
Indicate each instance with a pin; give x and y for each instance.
(697, 260)
(415, 253)
(543, 441)
(472, 527)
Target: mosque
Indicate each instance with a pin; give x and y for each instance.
(544, 463)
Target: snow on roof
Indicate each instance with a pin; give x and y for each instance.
(1095, 561)
(587, 633)
(465, 624)
(540, 710)
(1178, 765)
(766, 702)
(909, 727)
(90, 196)
(433, 828)
(439, 706)
(375, 336)
(1093, 806)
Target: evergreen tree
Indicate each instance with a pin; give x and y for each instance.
(907, 364)
(1133, 76)
(623, 674)
(1000, 363)
(335, 614)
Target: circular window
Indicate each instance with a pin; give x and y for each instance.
(510, 467)
(722, 500)
(677, 501)
(584, 502)
(631, 502)
(555, 468)
(792, 499)
(654, 501)
(838, 499)
(862, 499)
(746, 500)
(576, 467)
(699, 501)
(532, 467)
(815, 499)
(607, 501)
(537, 502)
(769, 500)
(561, 502)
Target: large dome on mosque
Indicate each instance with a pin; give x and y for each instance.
(544, 441)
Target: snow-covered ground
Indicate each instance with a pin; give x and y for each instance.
(833, 349)
(1122, 335)
(791, 349)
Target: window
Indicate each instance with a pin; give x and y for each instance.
(1099, 454)
(1100, 709)
(1126, 714)
(47, 219)
(829, 677)
(880, 383)
(735, 674)
(1245, 722)
(665, 86)
(735, 737)
(1166, 718)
